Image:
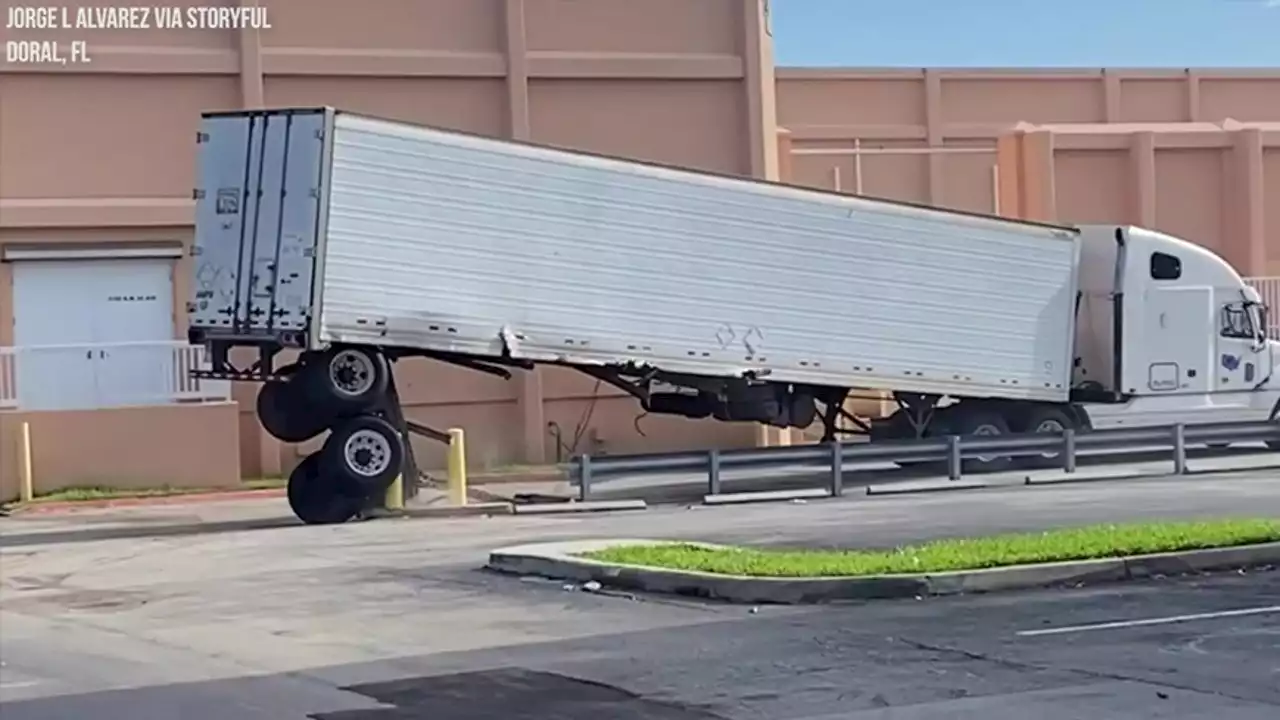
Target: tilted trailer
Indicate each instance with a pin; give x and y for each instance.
(357, 241)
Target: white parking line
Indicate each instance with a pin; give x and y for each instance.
(1152, 621)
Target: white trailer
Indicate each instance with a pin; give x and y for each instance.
(357, 241)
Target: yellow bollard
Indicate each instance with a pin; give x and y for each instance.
(394, 499)
(26, 491)
(457, 467)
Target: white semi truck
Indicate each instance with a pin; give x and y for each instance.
(357, 241)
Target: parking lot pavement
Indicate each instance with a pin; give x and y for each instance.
(392, 621)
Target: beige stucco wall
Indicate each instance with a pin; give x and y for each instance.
(179, 446)
(105, 152)
(1207, 182)
(1195, 192)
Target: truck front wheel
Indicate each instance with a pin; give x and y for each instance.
(1046, 420)
(980, 423)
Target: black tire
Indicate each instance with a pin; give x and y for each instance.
(346, 381)
(984, 423)
(285, 413)
(317, 498)
(365, 452)
(1046, 420)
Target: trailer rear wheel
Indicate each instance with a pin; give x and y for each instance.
(1046, 420)
(980, 423)
(366, 452)
(347, 380)
(316, 497)
(283, 412)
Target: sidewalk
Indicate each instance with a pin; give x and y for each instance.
(171, 517)
(192, 515)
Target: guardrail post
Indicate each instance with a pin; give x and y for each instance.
(1069, 450)
(837, 468)
(1179, 449)
(584, 478)
(953, 457)
(713, 471)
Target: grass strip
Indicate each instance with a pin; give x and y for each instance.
(97, 492)
(1079, 543)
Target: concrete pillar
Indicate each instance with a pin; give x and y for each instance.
(1193, 95)
(1142, 159)
(934, 137)
(760, 88)
(1244, 243)
(786, 160)
(251, 82)
(1009, 164)
(530, 397)
(1026, 183)
(264, 449)
(1038, 191)
(1110, 96)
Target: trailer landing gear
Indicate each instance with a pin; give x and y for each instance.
(351, 393)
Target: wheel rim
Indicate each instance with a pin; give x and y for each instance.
(352, 373)
(987, 430)
(1049, 425)
(367, 453)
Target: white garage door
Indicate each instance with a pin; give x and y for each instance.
(93, 333)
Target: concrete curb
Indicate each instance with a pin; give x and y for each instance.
(762, 496)
(472, 509)
(588, 506)
(560, 561)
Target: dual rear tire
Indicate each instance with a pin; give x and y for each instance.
(359, 461)
(990, 422)
(338, 391)
(324, 389)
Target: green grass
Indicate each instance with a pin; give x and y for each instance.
(101, 492)
(1082, 543)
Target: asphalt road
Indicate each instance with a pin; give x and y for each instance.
(392, 620)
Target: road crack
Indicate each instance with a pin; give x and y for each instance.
(1082, 672)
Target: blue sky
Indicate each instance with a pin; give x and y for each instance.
(1019, 33)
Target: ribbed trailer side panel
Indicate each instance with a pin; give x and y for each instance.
(452, 242)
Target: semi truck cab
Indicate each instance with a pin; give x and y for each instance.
(1168, 332)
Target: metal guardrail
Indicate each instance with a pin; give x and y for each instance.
(586, 470)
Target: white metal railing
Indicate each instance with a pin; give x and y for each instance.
(104, 375)
(1269, 289)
